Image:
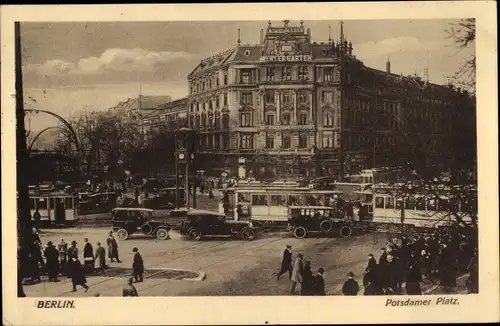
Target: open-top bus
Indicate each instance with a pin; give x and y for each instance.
(56, 209)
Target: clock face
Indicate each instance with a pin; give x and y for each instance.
(181, 156)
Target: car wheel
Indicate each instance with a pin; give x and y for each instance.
(122, 234)
(147, 229)
(300, 232)
(162, 234)
(248, 234)
(345, 231)
(326, 226)
(195, 235)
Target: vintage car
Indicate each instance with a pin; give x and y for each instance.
(305, 219)
(129, 220)
(201, 223)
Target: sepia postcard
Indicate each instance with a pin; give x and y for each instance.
(284, 163)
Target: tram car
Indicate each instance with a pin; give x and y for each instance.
(55, 209)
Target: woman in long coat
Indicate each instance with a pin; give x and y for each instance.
(298, 267)
(100, 257)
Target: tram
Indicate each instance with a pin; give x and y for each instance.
(56, 209)
(269, 202)
(418, 210)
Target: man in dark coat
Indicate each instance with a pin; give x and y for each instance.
(52, 256)
(319, 283)
(370, 282)
(414, 276)
(37, 218)
(88, 256)
(306, 288)
(383, 256)
(129, 290)
(372, 264)
(138, 266)
(77, 274)
(286, 263)
(112, 248)
(63, 256)
(350, 287)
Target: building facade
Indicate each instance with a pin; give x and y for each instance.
(289, 106)
(167, 116)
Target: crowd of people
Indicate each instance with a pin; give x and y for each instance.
(403, 264)
(64, 260)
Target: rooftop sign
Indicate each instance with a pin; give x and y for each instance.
(286, 58)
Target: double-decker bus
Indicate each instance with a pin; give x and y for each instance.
(55, 208)
(269, 202)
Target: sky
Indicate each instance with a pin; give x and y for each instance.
(70, 67)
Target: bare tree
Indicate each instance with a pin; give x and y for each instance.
(463, 33)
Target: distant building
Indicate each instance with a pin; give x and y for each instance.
(167, 116)
(142, 105)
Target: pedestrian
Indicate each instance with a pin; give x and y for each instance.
(211, 194)
(37, 218)
(52, 256)
(73, 251)
(138, 266)
(286, 263)
(297, 270)
(100, 258)
(351, 286)
(414, 276)
(112, 248)
(372, 264)
(306, 288)
(63, 251)
(370, 282)
(390, 275)
(383, 256)
(319, 283)
(129, 290)
(77, 274)
(88, 256)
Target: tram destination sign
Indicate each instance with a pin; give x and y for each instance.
(286, 58)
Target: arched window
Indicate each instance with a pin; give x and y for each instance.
(225, 121)
(286, 117)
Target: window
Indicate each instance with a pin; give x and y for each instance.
(297, 200)
(217, 81)
(217, 102)
(225, 78)
(327, 97)
(225, 99)
(285, 120)
(302, 98)
(286, 73)
(246, 141)
(303, 73)
(245, 119)
(270, 119)
(379, 202)
(389, 202)
(270, 74)
(217, 142)
(327, 141)
(246, 98)
(259, 200)
(328, 74)
(328, 119)
(278, 200)
(269, 140)
(245, 77)
(303, 140)
(270, 97)
(225, 121)
(225, 141)
(286, 141)
(303, 118)
(287, 98)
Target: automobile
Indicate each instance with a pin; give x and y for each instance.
(96, 203)
(129, 220)
(305, 219)
(165, 199)
(201, 223)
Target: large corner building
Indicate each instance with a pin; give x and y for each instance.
(291, 106)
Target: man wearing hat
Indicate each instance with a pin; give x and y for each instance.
(88, 256)
(286, 263)
(129, 290)
(72, 253)
(351, 286)
(112, 247)
(319, 283)
(52, 256)
(138, 265)
(372, 263)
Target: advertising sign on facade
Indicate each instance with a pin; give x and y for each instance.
(286, 58)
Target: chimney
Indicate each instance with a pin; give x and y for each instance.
(261, 36)
(309, 35)
(388, 66)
